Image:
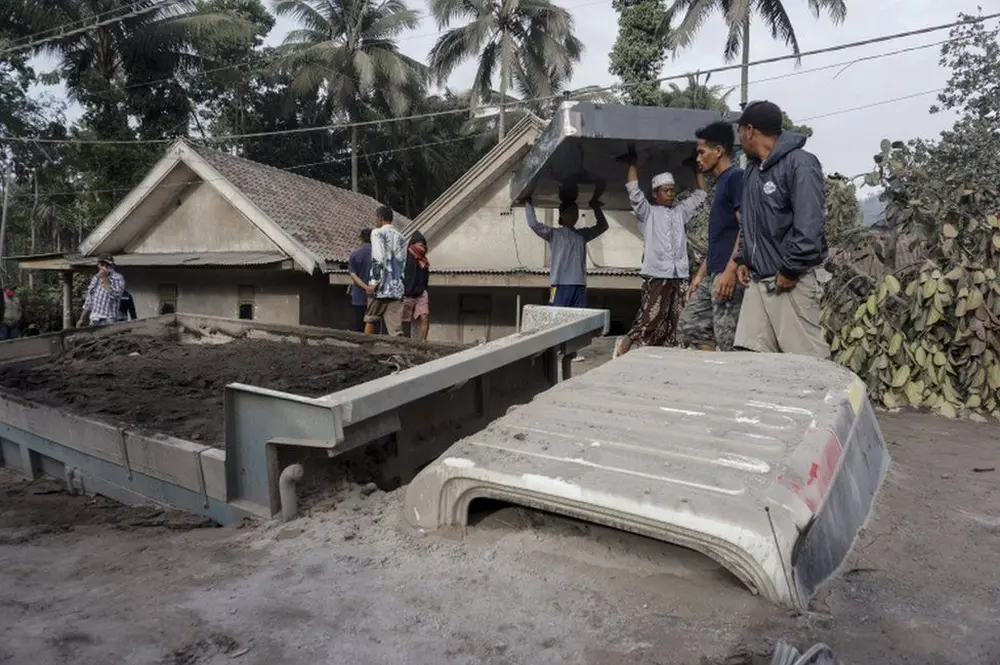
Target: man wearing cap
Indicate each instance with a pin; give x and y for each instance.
(783, 239)
(104, 294)
(665, 268)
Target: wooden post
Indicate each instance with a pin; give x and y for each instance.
(67, 299)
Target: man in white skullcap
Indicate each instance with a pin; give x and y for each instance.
(665, 269)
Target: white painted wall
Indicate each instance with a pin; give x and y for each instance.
(202, 221)
(489, 234)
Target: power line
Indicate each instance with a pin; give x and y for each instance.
(277, 56)
(800, 72)
(872, 105)
(31, 44)
(844, 64)
(819, 51)
(336, 160)
(83, 22)
(517, 103)
(452, 140)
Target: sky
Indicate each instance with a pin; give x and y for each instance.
(844, 142)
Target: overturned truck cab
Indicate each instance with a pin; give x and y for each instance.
(768, 464)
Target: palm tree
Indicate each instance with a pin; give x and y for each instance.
(132, 61)
(698, 95)
(126, 75)
(737, 14)
(345, 51)
(531, 42)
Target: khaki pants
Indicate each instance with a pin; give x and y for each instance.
(388, 310)
(786, 322)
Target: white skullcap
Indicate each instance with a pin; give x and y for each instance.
(662, 179)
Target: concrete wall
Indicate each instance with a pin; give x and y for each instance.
(323, 304)
(489, 234)
(285, 297)
(467, 315)
(202, 221)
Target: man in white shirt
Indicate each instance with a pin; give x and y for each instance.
(385, 286)
(665, 268)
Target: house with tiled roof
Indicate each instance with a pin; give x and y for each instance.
(486, 264)
(206, 232)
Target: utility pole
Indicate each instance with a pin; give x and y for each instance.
(745, 70)
(3, 215)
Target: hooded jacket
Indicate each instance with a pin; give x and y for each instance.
(782, 219)
(415, 278)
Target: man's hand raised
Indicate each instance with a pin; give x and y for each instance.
(631, 157)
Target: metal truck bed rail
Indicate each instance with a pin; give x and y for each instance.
(414, 408)
(768, 464)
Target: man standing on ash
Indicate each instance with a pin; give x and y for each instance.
(665, 267)
(715, 296)
(783, 240)
(104, 294)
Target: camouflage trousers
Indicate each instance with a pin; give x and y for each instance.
(706, 320)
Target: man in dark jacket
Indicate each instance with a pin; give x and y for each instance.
(783, 240)
(359, 267)
(416, 275)
(126, 307)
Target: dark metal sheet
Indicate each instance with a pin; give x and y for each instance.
(577, 152)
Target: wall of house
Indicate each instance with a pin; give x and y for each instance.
(202, 221)
(489, 234)
(467, 315)
(276, 296)
(324, 304)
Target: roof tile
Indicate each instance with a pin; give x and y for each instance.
(325, 219)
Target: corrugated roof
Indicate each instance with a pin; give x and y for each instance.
(185, 259)
(326, 220)
(516, 271)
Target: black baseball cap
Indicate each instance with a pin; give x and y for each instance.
(106, 259)
(764, 115)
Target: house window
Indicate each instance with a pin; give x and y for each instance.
(168, 298)
(246, 302)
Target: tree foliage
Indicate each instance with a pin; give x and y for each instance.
(528, 45)
(200, 69)
(697, 95)
(638, 53)
(737, 14)
(842, 210)
(924, 331)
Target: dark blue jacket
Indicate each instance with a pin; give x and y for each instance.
(783, 223)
